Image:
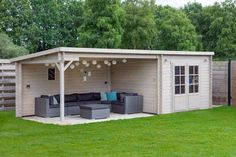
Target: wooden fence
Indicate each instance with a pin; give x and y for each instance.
(7, 84)
(220, 83)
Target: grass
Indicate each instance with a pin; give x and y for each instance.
(199, 133)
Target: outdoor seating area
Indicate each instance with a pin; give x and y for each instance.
(90, 105)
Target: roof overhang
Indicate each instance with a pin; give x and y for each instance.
(109, 52)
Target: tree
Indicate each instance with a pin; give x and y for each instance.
(194, 13)
(102, 24)
(14, 19)
(175, 30)
(41, 24)
(139, 28)
(8, 49)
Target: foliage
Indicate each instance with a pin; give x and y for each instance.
(196, 133)
(139, 24)
(8, 49)
(175, 31)
(41, 24)
(102, 24)
(217, 26)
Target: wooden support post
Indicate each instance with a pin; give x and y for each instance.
(62, 91)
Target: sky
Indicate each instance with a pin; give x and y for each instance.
(181, 3)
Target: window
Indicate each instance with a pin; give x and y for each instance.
(193, 79)
(51, 74)
(179, 79)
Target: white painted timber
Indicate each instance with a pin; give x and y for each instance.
(173, 103)
(108, 51)
(138, 76)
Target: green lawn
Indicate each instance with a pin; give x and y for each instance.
(199, 133)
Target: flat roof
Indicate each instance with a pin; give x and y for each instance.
(110, 51)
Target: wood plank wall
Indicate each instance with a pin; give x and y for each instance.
(220, 82)
(7, 83)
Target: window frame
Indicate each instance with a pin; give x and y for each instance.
(180, 80)
(51, 71)
(195, 76)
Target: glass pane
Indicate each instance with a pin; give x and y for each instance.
(190, 69)
(190, 79)
(196, 79)
(196, 88)
(177, 81)
(177, 90)
(177, 70)
(182, 79)
(191, 89)
(182, 70)
(51, 74)
(196, 69)
(182, 89)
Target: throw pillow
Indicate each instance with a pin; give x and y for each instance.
(112, 96)
(103, 96)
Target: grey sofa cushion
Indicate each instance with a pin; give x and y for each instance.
(54, 105)
(95, 106)
(96, 96)
(92, 102)
(118, 103)
(71, 98)
(85, 97)
(69, 104)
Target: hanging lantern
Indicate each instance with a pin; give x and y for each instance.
(94, 62)
(77, 63)
(99, 66)
(72, 66)
(84, 62)
(87, 65)
(114, 62)
(109, 64)
(124, 60)
(106, 62)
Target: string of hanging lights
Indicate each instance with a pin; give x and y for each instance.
(86, 64)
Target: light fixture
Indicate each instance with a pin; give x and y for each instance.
(99, 66)
(109, 64)
(72, 66)
(94, 62)
(124, 60)
(53, 64)
(114, 62)
(84, 78)
(89, 73)
(77, 63)
(87, 65)
(84, 62)
(106, 62)
(46, 64)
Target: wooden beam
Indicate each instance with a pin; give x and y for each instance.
(68, 64)
(62, 91)
(19, 105)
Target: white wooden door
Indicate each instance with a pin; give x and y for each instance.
(180, 90)
(186, 87)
